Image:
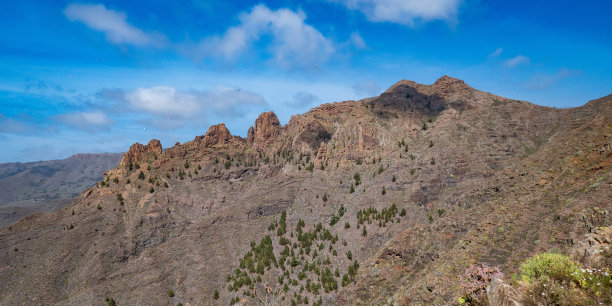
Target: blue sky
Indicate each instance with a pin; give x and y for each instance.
(99, 76)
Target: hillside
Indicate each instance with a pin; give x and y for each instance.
(27, 188)
(385, 200)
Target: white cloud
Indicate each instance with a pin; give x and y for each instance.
(496, 53)
(294, 44)
(405, 11)
(357, 40)
(88, 121)
(164, 101)
(517, 60)
(112, 23)
(167, 107)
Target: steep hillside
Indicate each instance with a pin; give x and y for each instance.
(27, 188)
(383, 200)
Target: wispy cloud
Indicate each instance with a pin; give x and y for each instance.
(21, 125)
(405, 12)
(112, 23)
(517, 60)
(303, 99)
(87, 121)
(545, 81)
(367, 87)
(293, 44)
(496, 53)
(358, 41)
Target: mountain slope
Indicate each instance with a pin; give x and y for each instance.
(27, 188)
(383, 200)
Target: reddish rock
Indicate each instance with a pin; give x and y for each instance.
(138, 152)
(267, 127)
(216, 134)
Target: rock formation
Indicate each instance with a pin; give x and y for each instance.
(138, 152)
(501, 294)
(596, 248)
(216, 134)
(267, 127)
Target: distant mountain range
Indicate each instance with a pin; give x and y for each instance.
(27, 188)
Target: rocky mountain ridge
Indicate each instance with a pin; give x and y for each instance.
(385, 200)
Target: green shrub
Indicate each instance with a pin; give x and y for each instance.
(551, 266)
(110, 301)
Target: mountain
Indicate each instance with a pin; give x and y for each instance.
(385, 200)
(27, 188)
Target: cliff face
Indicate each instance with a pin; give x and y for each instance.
(397, 193)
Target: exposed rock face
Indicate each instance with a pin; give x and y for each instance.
(138, 152)
(502, 294)
(596, 248)
(267, 127)
(216, 134)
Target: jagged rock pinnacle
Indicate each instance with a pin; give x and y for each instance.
(138, 152)
(267, 127)
(216, 134)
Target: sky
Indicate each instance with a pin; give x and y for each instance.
(97, 76)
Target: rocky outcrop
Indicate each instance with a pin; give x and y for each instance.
(596, 248)
(501, 294)
(138, 152)
(216, 134)
(267, 127)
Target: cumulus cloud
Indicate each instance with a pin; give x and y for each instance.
(303, 99)
(112, 23)
(517, 60)
(293, 43)
(404, 11)
(164, 101)
(87, 121)
(167, 107)
(367, 87)
(545, 81)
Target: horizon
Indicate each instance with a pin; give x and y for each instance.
(97, 77)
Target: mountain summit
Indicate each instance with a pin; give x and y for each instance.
(385, 200)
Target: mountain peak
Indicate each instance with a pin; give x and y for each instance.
(267, 127)
(216, 134)
(138, 152)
